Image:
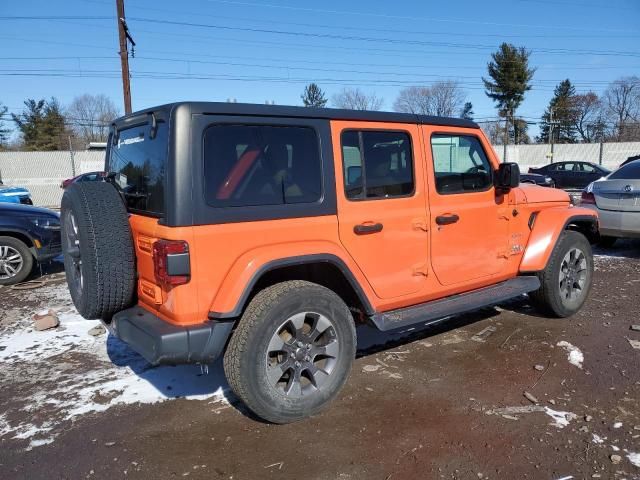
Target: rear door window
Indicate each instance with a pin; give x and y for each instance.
(252, 165)
(138, 157)
(377, 164)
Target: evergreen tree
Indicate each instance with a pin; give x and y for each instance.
(42, 125)
(313, 96)
(467, 111)
(510, 78)
(562, 112)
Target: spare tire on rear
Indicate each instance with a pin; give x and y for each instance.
(99, 257)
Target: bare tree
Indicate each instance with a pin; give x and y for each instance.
(589, 117)
(623, 103)
(416, 100)
(493, 131)
(444, 99)
(356, 99)
(90, 116)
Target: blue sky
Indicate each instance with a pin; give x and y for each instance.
(257, 50)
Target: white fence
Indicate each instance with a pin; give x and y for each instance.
(42, 172)
(610, 155)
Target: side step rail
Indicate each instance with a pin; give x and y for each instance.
(456, 304)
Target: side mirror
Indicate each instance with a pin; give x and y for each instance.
(508, 176)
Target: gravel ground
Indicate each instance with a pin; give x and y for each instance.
(448, 401)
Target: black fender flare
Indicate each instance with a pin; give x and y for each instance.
(293, 261)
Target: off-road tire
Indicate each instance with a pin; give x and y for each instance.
(245, 360)
(27, 260)
(548, 299)
(606, 242)
(105, 250)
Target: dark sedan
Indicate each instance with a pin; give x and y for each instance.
(572, 174)
(85, 177)
(537, 179)
(27, 235)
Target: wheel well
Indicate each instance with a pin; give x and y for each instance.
(18, 236)
(323, 273)
(588, 228)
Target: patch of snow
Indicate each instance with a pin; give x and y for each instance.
(69, 373)
(597, 439)
(614, 448)
(560, 419)
(634, 458)
(617, 425)
(575, 356)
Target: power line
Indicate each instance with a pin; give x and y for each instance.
(500, 35)
(244, 78)
(420, 77)
(289, 60)
(413, 18)
(55, 17)
(376, 39)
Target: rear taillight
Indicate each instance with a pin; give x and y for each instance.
(587, 198)
(171, 262)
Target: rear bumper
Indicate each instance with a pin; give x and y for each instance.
(615, 223)
(162, 343)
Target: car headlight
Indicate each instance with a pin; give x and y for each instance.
(48, 223)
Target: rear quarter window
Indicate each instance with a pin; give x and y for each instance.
(253, 165)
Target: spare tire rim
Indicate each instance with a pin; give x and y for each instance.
(573, 275)
(72, 251)
(302, 354)
(11, 262)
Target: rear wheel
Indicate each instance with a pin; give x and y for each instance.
(566, 281)
(16, 261)
(291, 352)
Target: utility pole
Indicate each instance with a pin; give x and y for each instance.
(124, 36)
(505, 139)
(73, 159)
(551, 124)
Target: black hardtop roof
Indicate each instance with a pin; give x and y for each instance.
(249, 109)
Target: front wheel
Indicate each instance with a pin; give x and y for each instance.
(566, 281)
(291, 352)
(16, 261)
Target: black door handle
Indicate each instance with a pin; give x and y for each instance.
(365, 229)
(447, 219)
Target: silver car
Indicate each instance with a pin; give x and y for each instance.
(616, 198)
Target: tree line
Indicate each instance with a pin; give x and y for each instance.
(614, 115)
(45, 124)
(570, 117)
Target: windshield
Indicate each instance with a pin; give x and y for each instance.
(139, 164)
(631, 171)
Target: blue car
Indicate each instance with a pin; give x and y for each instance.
(28, 235)
(15, 195)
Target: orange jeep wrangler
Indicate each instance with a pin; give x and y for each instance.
(264, 233)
